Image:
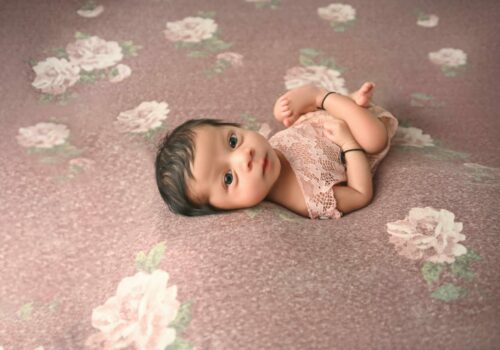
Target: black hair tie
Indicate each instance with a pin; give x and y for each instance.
(342, 153)
(324, 98)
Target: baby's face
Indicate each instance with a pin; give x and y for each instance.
(233, 167)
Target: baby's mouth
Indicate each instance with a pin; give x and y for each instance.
(265, 164)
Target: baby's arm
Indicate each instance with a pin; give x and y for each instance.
(359, 190)
(368, 131)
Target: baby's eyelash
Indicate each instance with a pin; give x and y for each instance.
(231, 134)
(231, 137)
(230, 173)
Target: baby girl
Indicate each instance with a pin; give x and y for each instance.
(321, 166)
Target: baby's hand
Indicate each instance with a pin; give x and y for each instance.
(338, 132)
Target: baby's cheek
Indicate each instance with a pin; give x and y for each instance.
(255, 195)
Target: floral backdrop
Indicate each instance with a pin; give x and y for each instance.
(91, 258)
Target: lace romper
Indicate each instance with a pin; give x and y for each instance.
(315, 159)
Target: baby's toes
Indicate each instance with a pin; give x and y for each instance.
(285, 108)
(288, 122)
(283, 102)
(367, 87)
(278, 109)
(286, 111)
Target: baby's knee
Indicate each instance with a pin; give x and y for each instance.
(377, 142)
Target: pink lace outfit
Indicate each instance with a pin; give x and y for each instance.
(315, 159)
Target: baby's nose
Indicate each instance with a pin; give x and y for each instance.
(246, 159)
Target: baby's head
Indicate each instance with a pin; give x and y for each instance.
(206, 165)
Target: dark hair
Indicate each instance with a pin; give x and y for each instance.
(174, 157)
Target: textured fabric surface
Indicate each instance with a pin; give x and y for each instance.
(91, 257)
(315, 159)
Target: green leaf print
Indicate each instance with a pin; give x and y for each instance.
(50, 160)
(482, 175)
(59, 52)
(186, 45)
(287, 215)
(405, 123)
(272, 4)
(206, 14)
(423, 17)
(53, 306)
(313, 57)
(197, 54)
(453, 71)
(26, 311)
(113, 72)
(129, 49)
(449, 72)
(306, 61)
(337, 28)
(216, 44)
(180, 344)
(80, 35)
(419, 99)
(148, 136)
(462, 270)
(330, 63)
(461, 266)
(449, 292)
(46, 98)
(341, 26)
(222, 65)
(421, 96)
(89, 6)
(150, 262)
(432, 271)
(251, 121)
(309, 52)
(183, 317)
(253, 212)
(439, 152)
(88, 77)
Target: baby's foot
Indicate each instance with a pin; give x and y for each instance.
(290, 106)
(363, 96)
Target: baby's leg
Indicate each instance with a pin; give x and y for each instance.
(368, 130)
(363, 96)
(296, 102)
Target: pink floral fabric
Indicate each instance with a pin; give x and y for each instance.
(315, 159)
(92, 258)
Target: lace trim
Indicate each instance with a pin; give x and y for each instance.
(315, 159)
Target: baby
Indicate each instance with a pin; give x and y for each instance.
(321, 166)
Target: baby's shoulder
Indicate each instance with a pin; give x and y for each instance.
(288, 193)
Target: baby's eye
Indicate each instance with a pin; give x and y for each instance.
(233, 140)
(228, 178)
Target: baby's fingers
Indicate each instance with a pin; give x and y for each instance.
(329, 133)
(329, 127)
